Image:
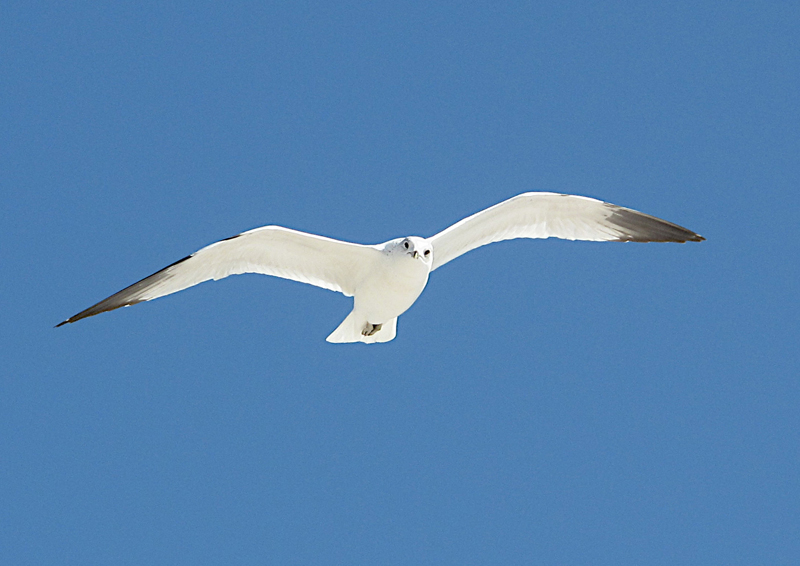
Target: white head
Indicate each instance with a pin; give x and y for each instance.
(414, 247)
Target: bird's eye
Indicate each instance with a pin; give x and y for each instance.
(405, 244)
(427, 253)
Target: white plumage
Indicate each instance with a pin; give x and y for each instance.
(386, 279)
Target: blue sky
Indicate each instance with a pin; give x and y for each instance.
(545, 402)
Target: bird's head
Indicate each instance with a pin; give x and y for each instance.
(414, 247)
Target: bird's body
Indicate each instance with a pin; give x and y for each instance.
(386, 279)
(392, 285)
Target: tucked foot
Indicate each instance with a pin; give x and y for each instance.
(371, 329)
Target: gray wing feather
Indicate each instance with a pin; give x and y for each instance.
(552, 215)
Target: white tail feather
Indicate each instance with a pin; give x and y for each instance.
(350, 330)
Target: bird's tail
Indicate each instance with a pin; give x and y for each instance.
(351, 330)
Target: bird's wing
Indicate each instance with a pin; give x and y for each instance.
(551, 215)
(271, 250)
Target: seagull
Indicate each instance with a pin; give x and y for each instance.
(386, 279)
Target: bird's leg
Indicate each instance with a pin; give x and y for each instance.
(371, 329)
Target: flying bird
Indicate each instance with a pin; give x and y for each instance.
(386, 279)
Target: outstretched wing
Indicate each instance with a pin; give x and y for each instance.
(271, 250)
(552, 215)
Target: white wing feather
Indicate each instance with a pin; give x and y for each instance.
(271, 250)
(552, 215)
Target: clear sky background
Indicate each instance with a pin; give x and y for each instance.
(545, 402)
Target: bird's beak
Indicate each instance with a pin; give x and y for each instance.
(416, 254)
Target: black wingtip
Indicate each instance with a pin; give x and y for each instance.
(124, 298)
(693, 238)
(640, 227)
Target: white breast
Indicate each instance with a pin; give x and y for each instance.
(391, 288)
